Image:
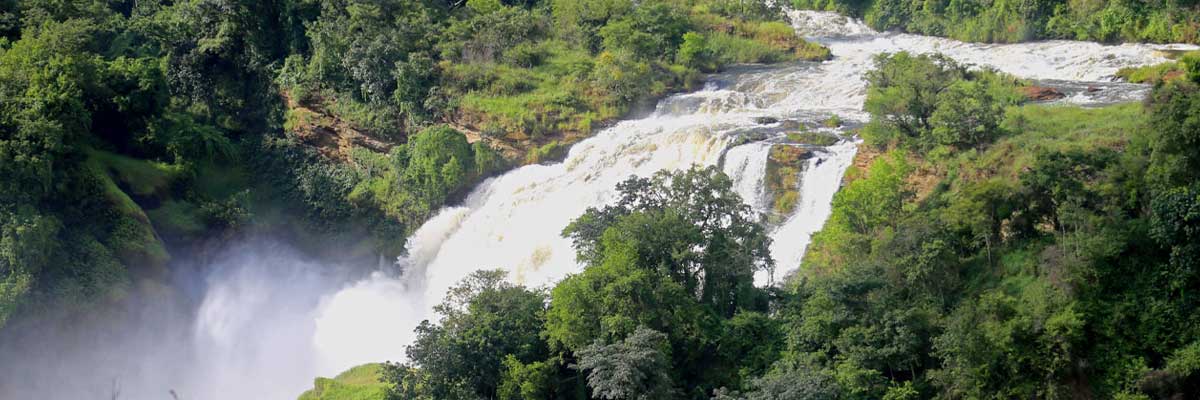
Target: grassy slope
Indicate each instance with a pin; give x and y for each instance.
(358, 383)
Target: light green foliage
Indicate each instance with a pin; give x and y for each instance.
(651, 31)
(1155, 74)
(1191, 65)
(677, 255)
(903, 95)
(13, 288)
(967, 115)
(532, 381)
(1177, 154)
(484, 6)
(606, 301)
(694, 52)
(788, 381)
(1067, 238)
(26, 242)
(923, 101)
(414, 180)
(143, 177)
(875, 201)
(812, 138)
(359, 383)
(529, 69)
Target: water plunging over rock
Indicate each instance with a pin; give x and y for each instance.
(268, 323)
(514, 221)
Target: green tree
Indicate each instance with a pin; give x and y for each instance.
(634, 368)
(967, 115)
(532, 381)
(1176, 152)
(1001, 346)
(612, 298)
(903, 95)
(694, 52)
(485, 321)
(690, 226)
(435, 162)
(875, 201)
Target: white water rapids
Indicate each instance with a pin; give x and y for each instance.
(265, 332)
(514, 221)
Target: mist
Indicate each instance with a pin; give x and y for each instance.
(240, 324)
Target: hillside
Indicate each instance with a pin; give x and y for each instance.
(140, 132)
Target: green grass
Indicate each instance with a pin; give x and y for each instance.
(143, 177)
(133, 238)
(812, 138)
(1154, 74)
(358, 383)
(179, 218)
(1055, 128)
(731, 49)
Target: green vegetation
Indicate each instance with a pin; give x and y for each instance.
(782, 178)
(130, 130)
(358, 383)
(665, 308)
(992, 250)
(1009, 21)
(812, 138)
(1028, 254)
(523, 70)
(1188, 63)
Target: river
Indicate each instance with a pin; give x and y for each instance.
(268, 322)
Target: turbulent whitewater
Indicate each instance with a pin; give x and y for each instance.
(251, 323)
(514, 221)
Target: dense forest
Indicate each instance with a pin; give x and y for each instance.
(132, 131)
(988, 247)
(992, 249)
(1171, 21)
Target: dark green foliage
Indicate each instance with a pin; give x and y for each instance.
(690, 226)
(1048, 262)
(487, 324)
(147, 125)
(634, 368)
(1176, 154)
(1175, 225)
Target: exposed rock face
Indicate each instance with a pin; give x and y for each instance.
(1041, 93)
(330, 136)
(783, 177)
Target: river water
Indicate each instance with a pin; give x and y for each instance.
(267, 323)
(514, 221)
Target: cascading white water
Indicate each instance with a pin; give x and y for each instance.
(268, 321)
(514, 221)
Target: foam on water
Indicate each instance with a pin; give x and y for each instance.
(514, 222)
(267, 323)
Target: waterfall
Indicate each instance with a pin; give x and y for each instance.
(268, 322)
(513, 222)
